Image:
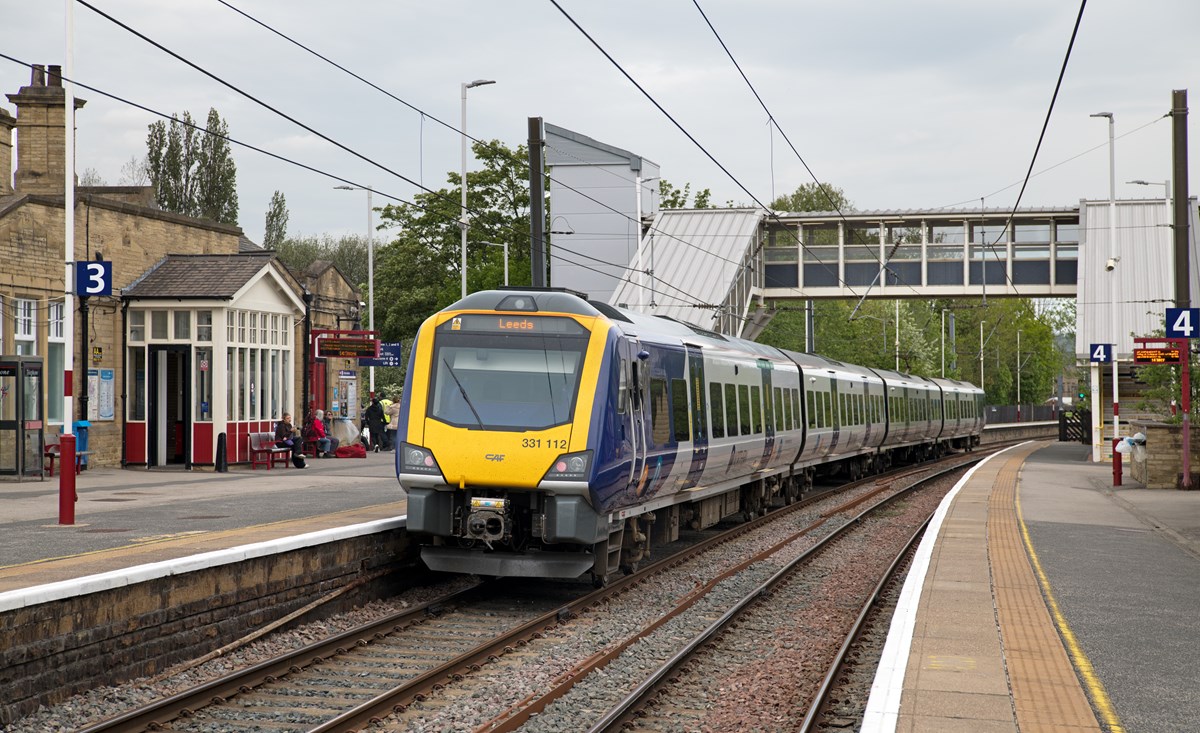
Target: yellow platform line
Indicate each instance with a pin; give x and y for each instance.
(1079, 658)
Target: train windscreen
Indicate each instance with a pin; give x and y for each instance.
(504, 373)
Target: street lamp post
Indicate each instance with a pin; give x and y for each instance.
(1112, 184)
(1166, 193)
(944, 342)
(981, 357)
(465, 221)
(1018, 375)
(370, 273)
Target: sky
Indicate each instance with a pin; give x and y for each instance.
(903, 105)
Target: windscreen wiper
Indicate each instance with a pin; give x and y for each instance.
(463, 392)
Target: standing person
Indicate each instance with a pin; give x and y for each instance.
(393, 421)
(375, 423)
(315, 431)
(286, 437)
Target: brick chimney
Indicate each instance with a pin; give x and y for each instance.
(7, 123)
(41, 142)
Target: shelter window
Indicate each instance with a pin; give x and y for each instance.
(204, 325)
(159, 325)
(55, 357)
(203, 371)
(136, 378)
(183, 324)
(254, 328)
(274, 328)
(137, 326)
(262, 329)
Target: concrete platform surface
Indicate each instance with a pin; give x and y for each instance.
(130, 516)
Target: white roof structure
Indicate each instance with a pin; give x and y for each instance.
(696, 266)
(1130, 299)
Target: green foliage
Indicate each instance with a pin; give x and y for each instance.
(869, 339)
(417, 273)
(811, 197)
(348, 252)
(192, 171)
(670, 197)
(277, 221)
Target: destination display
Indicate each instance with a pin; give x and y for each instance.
(348, 348)
(514, 324)
(1156, 356)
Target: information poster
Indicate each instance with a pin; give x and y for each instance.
(100, 394)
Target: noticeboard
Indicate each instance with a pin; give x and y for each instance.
(347, 348)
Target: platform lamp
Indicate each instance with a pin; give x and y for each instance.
(465, 221)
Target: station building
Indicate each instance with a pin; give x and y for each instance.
(205, 333)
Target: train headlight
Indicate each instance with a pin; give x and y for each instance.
(415, 459)
(570, 467)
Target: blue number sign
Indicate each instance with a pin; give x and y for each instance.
(93, 278)
(1102, 353)
(1183, 323)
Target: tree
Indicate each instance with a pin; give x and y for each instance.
(418, 272)
(277, 220)
(347, 252)
(670, 197)
(192, 170)
(135, 172)
(813, 197)
(91, 177)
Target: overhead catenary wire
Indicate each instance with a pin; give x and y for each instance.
(332, 176)
(687, 134)
(773, 121)
(455, 130)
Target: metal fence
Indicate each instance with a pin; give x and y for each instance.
(998, 414)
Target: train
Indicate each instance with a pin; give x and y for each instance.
(542, 434)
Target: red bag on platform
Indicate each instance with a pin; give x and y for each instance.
(351, 451)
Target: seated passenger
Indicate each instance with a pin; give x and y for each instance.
(286, 436)
(315, 431)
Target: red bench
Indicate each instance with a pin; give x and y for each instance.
(264, 452)
(52, 451)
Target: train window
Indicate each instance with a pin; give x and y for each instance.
(780, 422)
(796, 408)
(812, 412)
(827, 410)
(660, 429)
(756, 409)
(681, 420)
(744, 409)
(731, 410)
(717, 407)
(783, 400)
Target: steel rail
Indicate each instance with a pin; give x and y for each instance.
(623, 710)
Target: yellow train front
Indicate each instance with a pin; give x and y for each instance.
(497, 437)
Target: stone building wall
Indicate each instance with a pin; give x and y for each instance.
(1159, 463)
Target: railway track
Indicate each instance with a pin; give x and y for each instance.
(438, 662)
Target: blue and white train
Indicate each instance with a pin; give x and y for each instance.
(545, 435)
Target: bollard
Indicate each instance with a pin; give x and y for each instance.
(222, 457)
(1116, 462)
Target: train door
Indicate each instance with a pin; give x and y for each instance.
(699, 415)
(764, 370)
(636, 380)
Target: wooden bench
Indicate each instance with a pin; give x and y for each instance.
(264, 452)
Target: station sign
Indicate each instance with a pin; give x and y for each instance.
(1183, 323)
(1101, 353)
(390, 355)
(1156, 356)
(347, 348)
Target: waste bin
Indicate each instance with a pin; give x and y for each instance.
(81, 442)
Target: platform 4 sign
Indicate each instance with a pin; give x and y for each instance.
(1156, 356)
